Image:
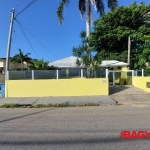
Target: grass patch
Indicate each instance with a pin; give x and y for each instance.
(118, 104)
(53, 105)
(50, 105)
(10, 106)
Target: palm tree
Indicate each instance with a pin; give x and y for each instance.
(21, 58)
(85, 7)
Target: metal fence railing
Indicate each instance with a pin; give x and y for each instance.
(44, 74)
(96, 73)
(146, 73)
(69, 73)
(138, 73)
(19, 75)
(142, 73)
(57, 74)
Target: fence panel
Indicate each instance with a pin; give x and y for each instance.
(44, 74)
(138, 73)
(20, 75)
(94, 73)
(62, 74)
(69, 73)
(146, 73)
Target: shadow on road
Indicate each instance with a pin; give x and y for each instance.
(58, 142)
(1, 121)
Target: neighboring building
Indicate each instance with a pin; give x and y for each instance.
(12, 66)
(116, 65)
(67, 67)
(2, 64)
(147, 64)
(68, 62)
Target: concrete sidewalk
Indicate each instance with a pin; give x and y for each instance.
(75, 100)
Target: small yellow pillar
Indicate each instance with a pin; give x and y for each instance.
(67, 72)
(123, 79)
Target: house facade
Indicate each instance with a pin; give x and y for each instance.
(12, 66)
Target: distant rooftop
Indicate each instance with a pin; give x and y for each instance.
(68, 62)
(112, 63)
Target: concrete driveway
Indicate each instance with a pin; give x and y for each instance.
(129, 95)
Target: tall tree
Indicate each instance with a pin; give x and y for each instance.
(21, 58)
(111, 31)
(82, 52)
(85, 7)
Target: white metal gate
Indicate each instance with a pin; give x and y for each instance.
(121, 77)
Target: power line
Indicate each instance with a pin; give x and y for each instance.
(18, 4)
(30, 4)
(36, 39)
(27, 39)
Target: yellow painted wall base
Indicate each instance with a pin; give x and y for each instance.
(140, 82)
(61, 87)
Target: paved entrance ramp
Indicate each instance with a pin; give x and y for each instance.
(126, 94)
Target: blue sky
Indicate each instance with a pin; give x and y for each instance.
(40, 20)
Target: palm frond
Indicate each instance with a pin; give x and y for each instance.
(94, 3)
(112, 4)
(26, 55)
(82, 7)
(89, 16)
(20, 57)
(60, 10)
(100, 6)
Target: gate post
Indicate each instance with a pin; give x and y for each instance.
(113, 78)
(106, 73)
(132, 77)
(57, 74)
(32, 74)
(81, 73)
(142, 72)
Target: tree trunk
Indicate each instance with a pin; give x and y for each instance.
(88, 23)
(129, 49)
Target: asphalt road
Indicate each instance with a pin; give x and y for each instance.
(75, 128)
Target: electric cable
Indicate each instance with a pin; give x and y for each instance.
(30, 4)
(27, 39)
(17, 5)
(37, 39)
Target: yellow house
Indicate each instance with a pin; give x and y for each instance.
(68, 81)
(118, 72)
(114, 64)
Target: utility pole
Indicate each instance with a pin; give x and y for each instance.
(9, 42)
(129, 50)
